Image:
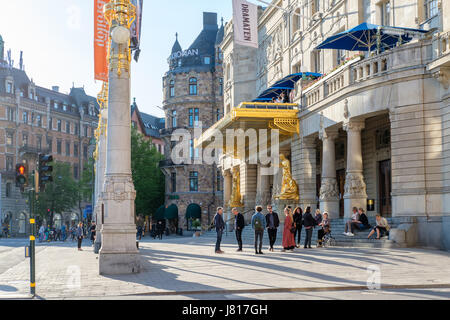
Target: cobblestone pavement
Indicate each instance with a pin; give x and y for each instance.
(188, 268)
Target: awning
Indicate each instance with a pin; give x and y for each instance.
(369, 37)
(159, 214)
(287, 83)
(171, 212)
(193, 211)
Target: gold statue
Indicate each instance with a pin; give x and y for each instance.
(236, 198)
(289, 188)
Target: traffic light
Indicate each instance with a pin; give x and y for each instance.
(45, 170)
(21, 176)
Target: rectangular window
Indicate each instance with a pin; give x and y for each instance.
(9, 138)
(39, 120)
(193, 152)
(9, 163)
(76, 129)
(68, 127)
(10, 114)
(218, 115)
(50, 124)
(207, 60)
(59, 147)
(316, 61)
(39, 143)
(220, 86)
(25, 139)
(174, 182)
(75, 149)
(340, 57)
(193, 181)
(8, 190)
(219, 180)
(59, 125)
(50, 144)
(9, 87)
(85, 152)
(25, 117)
(172, 92)
(68, 149)
(194, 117)
(85, 130)
(431, 8)
(385, 13)
(174, 119)
(55, 105)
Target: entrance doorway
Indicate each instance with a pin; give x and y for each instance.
(340, 177)
(385, 187)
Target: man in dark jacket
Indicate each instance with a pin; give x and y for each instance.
(220, 225)
(239, 225)
(309, 223)
(272, 223)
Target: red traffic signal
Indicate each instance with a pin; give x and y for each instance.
(21, 176)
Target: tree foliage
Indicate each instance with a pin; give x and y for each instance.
(60, 195)
(148, 179)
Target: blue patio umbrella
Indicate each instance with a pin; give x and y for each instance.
(369, 37)
(287, 83)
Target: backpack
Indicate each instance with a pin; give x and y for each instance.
(258, 225)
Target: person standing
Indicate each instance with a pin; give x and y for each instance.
(93, 232)
(80, 235)
(309, 223)
(272, 223)
(239, 225)
(258, 225)
(220, 225)
(288, 231)
(298, 220)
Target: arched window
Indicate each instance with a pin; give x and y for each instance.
(193, 86)
(172, 88)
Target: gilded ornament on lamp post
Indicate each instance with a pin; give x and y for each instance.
(120, 15)
(236, 198)
(289, 188)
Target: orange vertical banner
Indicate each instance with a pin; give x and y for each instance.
(101, 37)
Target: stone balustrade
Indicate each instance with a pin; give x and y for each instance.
(441, 45)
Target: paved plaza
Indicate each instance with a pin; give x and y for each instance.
(187, 268)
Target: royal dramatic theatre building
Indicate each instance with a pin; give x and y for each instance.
(373, 132)
(193, 98)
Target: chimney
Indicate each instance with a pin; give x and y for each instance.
(210, 21)
(55, 88)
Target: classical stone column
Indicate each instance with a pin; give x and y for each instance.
(119, 254)
(248, 188)
(355, 188)
(263, 196)
(329, 195)
(100, 179)
(307, 174)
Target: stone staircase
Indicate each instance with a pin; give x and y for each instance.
(337, 230)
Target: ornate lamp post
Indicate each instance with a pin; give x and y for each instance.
(118, 254)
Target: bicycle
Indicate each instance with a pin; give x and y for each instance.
(328, 241)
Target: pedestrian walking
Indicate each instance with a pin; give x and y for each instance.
(41, 233)
(288, 231)
(258, 225)
(220, 225)
(272, 223)
(298, 220)
(79, 234)
(308, 223)
(239, 225)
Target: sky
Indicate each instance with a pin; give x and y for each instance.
(56, 37)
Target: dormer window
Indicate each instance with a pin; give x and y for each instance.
(65, 107)
(207, 60)
(55, 105)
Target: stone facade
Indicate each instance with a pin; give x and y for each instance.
(36, 120)
(193, 101)
(374, 127)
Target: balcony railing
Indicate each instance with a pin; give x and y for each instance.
(361, 69)
(33, 150)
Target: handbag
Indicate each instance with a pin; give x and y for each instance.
(293, 228)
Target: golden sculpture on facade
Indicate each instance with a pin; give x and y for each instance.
(289, 188)
(236, 198)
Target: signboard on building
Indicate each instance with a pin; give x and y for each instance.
(245, 21)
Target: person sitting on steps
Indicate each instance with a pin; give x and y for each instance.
(382, 228)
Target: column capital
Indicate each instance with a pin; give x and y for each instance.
(330, 134)
(226, 173)
(354, 125)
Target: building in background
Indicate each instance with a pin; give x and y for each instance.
(149, 126)
(193, 99)
(36, 120)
